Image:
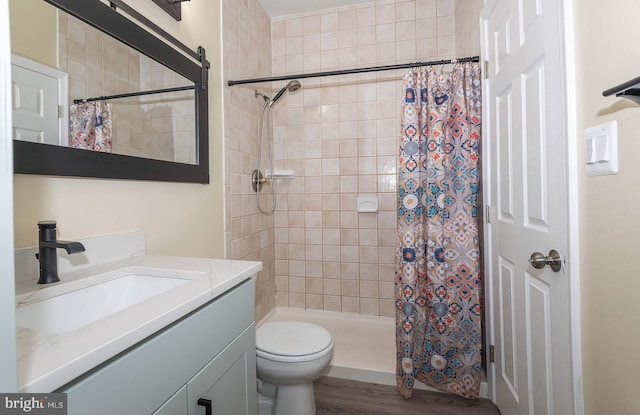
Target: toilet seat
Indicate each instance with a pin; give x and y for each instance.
(292, 341)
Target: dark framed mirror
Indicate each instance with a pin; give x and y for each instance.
(190, 97)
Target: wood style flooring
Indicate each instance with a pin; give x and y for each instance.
(347, 397)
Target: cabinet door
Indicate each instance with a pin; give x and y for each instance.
(176, 405)
(228, 381)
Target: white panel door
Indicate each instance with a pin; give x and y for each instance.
(525, 94)
(35, 98)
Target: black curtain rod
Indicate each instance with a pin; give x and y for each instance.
(356, 70)
(135, 94)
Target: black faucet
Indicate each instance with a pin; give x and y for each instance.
(47, 245)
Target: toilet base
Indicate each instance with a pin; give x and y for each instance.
(265, 405)
(291, 399)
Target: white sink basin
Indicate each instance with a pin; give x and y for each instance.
(78, 308)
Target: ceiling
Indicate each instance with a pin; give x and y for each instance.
(277, 8)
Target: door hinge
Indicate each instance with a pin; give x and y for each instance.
(492, 354)
(490, 214)
(485, 69)
(60, 111)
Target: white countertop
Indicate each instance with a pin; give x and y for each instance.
(47, 361)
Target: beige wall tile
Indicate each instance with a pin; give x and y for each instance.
(296, 300)
(340, 136)
(387, 308)
(252, 234)
(332, 303)
(331, 286)
(314, 302)
(370, 306)
(350, 304)
(311, 24)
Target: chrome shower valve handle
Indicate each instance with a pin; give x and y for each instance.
(257, 180)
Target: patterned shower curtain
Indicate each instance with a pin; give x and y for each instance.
(90, 126)
(438, 284)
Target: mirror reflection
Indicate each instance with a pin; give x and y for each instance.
(95, 93)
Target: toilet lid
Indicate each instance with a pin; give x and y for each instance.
(292, 338)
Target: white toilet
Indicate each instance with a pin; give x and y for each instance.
(290, 356)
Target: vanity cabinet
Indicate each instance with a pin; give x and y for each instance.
(218, 381)
(209, 355)
(176, 405)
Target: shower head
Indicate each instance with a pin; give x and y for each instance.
(292, 86)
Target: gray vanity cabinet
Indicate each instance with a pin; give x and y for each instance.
(224, 381)
(176, 405)
(207, 355)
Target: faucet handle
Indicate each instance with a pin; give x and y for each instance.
(47, 231)
(47, 224)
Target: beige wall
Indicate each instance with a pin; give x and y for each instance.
(39, 45)
(607, 56)
(179, 219)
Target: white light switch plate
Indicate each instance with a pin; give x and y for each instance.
(601, 149)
